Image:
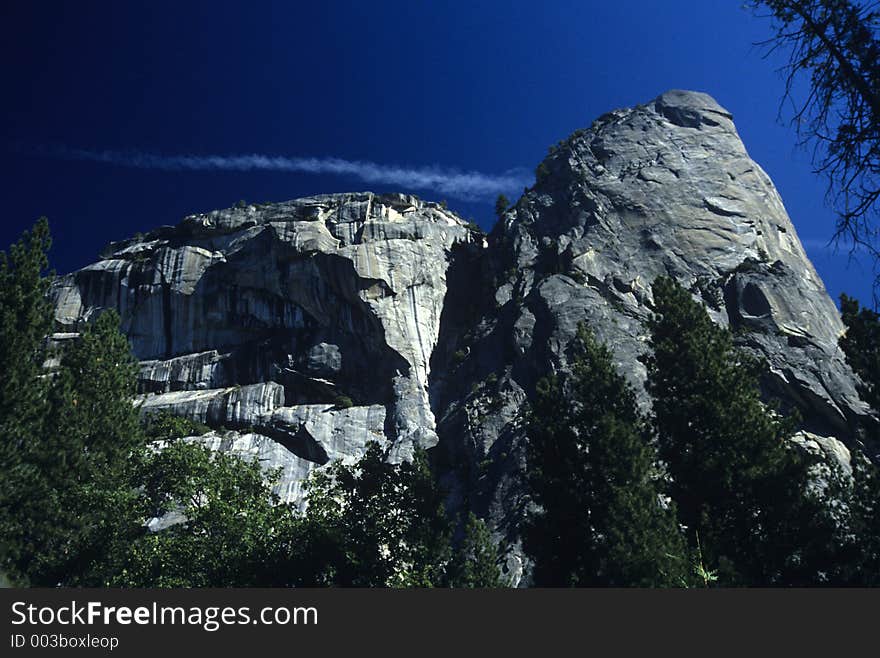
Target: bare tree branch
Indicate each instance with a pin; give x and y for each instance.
(835, 45)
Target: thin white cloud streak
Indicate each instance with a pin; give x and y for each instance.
(453, 183)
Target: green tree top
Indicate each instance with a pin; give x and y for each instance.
(741, 487)
(228, 529)
(592, 474)
(25, 320)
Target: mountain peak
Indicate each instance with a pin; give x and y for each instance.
(692, 109)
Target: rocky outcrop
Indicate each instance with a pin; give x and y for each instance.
(269, 319)
(666, 188)
(301, 331)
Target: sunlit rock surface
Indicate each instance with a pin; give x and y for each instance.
(270, 319)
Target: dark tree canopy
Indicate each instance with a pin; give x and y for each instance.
(592, 474)
(374, 524)
(861, 345)
(741, 487)
(25, 320)
(860, 564)
(475, 561)
(91, 440)
(502, 203)
(67, 431)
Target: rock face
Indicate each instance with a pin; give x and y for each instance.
(300, 331)
(665, 188)
(273, 320)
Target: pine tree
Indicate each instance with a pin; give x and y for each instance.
(93, 393)
(91, 441)
(861, 345)
(740, 485)
(25, 320)
(67, 433)
(601, 521)
(475, 562)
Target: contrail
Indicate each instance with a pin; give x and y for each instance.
(454, 183)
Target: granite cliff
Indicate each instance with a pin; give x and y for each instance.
(300, 331)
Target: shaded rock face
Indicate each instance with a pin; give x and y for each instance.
(268, 319)
(260, 321)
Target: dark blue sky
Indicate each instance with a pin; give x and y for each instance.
(481, 87)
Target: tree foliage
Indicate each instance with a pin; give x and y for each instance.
(835, 45)
(225, 527)
(742, 488)
(165, 426)
(68, 431)
(25, 320)
(861, 345)
(592, 475)
(91, 439)
(375, 524)
(862, 567)
(475, 561)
